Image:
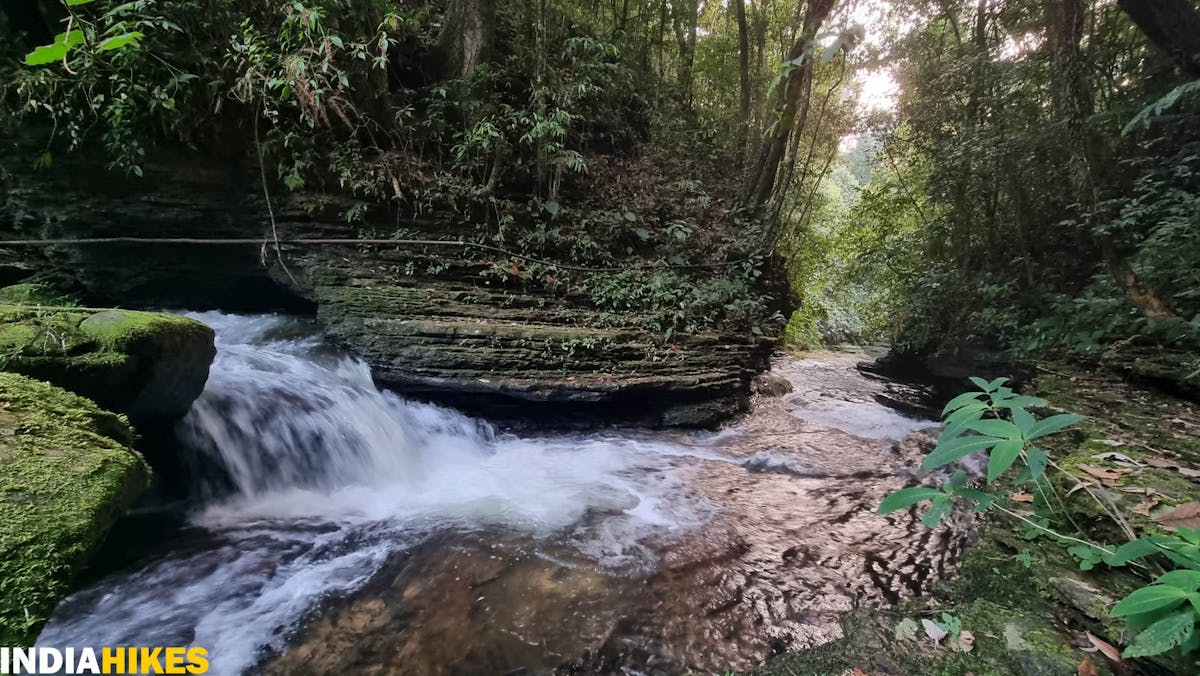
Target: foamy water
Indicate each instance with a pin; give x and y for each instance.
(322, 477)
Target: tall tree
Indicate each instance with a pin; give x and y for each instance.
(1072, 99)
(791, 108)
(686, 19)
(739, 7)
(1172, 25)
(467, 35)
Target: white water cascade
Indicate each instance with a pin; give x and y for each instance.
(331, 477)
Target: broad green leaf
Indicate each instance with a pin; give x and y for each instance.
(75, 3)
(63, 42)
(1144, 600)
(1191, 535)
(1187, 580)
(1023, 419)
(996, 428)
(960, 401)
(981, 383)
(45, 54)
(907, 497)
(1163, 635)
(995, 384)
(1132, 551)
(1055, 423)
(1035, 464)
(968, 412)
(1002, 457)
(119, 41)
(948, 452)
(937, 510)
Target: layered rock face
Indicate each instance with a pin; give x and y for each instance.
(434, 324)
(431, 323)
(66, 473)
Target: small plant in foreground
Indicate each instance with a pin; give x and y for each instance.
(996, 420)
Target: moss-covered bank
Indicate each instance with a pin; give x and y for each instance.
(66, 474)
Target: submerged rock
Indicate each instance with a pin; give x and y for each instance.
(771, 385)
(66, 474)
(150, 366)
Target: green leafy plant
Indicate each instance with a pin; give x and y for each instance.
(993, 420)
(996, 420)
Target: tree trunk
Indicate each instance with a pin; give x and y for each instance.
(792, 108)
(743, 75)
(1072, 99)
(467, 35)
(1172, 25)
(686, 18)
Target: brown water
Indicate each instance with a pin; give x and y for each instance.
(791, 544)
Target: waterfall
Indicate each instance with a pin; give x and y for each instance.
(311, 479)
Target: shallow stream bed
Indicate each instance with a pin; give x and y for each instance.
(335, 528)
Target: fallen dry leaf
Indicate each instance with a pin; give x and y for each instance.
(1103, 474)
(1087, 668)
(1080, 485)
(965, 642)
(1021, 497)
(1163, 463)
(1109, 650)
(933, 631)
(1187, 514)
(1148, 504)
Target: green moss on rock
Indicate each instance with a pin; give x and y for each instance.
(148, 365)
(66, 474)
(33, 294)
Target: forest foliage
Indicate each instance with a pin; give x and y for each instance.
(598, 135)
(1035, 187)
(1032, 186)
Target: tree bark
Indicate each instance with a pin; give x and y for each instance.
(467, 35)
(1172, 25)
(743, 75)
(686, 19)
(792, 108)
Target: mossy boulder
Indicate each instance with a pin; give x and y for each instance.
(150, 366)
(66, 474)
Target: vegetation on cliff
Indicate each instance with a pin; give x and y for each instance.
(591, 136)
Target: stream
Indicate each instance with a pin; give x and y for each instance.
(335, 528)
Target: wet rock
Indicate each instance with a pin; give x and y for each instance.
(435, 325)
(150, 366)
(66, 473)
(771, 385)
